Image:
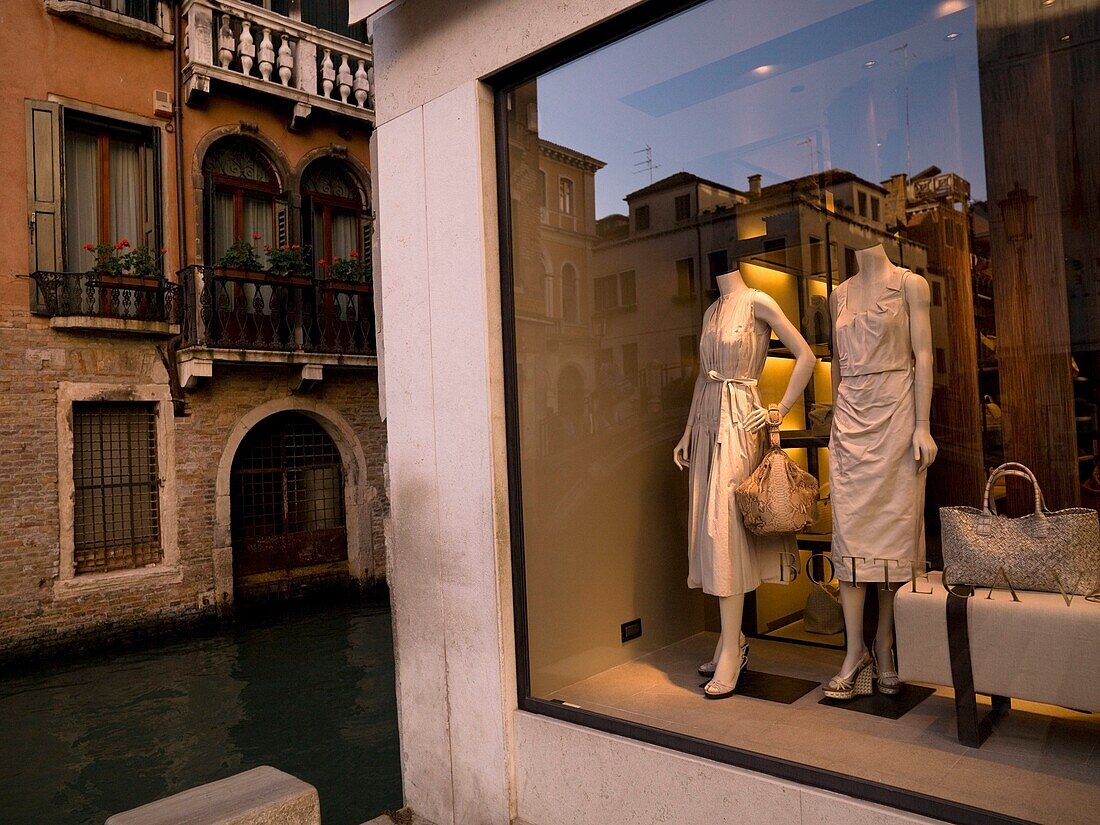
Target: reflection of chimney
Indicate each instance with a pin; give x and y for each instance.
(754, 186)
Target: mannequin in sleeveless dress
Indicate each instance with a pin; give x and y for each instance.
(863, 292)
(726, 665)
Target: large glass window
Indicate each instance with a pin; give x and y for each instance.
(888, 204)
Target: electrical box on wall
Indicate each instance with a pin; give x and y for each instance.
(631, 630)
(162, 103)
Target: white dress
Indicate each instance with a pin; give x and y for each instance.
(877, 493)
(724, 559)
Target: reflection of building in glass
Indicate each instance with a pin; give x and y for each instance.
(933, 207)
(560, 378)
(684, 231)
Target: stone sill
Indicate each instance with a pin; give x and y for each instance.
(255, 356)
(117, 580)
(126, 326)
(197, 77)
(110, 22)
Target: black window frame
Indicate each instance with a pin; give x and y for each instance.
(604, 33)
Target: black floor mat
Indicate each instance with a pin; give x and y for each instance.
(885, 707)
(772, 687)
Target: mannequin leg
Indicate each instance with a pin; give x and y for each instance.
(728, 655)
(718, 647)
(884, 635)
(852, 598)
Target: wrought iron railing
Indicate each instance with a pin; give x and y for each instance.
(97, 295)
(239, 309)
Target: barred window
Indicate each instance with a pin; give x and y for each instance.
(117, 514)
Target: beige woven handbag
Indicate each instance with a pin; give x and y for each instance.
(779, 497)
(1043, 551)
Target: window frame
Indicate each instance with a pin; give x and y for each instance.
(606, 32)
(68, 393)
(639, 211)
(567, 195)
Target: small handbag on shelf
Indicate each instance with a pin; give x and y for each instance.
(1043, 551)
(823, 614)
(779, 497)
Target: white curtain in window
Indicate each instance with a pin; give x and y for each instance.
(127, 193)
(345, 233)
(223, 224)
(81, 210)
(258, 218)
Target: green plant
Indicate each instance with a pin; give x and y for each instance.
(242, 255)
(352, 268)
(111, 259)
(288, 259)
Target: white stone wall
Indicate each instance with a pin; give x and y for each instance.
(468, 756)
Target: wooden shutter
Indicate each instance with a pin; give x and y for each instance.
(367, 251)
(43, 189)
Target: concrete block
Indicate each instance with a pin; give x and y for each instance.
(261, 796)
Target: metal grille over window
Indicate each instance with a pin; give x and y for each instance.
(287, 497)
(117, 514)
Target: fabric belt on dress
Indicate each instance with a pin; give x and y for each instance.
(728, 405)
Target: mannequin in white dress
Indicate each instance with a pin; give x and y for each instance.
(880, 448)
(722, 445)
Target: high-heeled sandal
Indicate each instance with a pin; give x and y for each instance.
(857, 683)
(707, 669)
(887, 681)
(720, 690)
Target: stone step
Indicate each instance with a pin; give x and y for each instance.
(261, 796)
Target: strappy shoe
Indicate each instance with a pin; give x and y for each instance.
(720, 690)
(887, 681)
(857, 683)
(708, 668)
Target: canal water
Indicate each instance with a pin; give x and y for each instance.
(309, 690)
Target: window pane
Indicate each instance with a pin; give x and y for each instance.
(345, 233)
(81, 198)
(872, 169)
(259, 216)
(223, 223)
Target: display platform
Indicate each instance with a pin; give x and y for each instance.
(772, 687)
(1041, 763)
(885, 707)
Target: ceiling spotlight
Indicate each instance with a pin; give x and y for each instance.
(952, 36)
(870, 64)
(1047, 3)
(763, 70)
(1065, 38)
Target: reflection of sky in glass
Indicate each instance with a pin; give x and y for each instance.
(781, 88)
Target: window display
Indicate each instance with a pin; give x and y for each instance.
(864, 228)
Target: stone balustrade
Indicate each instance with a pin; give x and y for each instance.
(235, 42)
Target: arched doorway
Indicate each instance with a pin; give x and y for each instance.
(287, 505)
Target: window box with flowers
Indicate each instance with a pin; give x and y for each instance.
(352, 269)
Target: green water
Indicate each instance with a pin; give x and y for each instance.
(309, 691)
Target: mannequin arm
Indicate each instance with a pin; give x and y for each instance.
(768, 310)
(917, 295)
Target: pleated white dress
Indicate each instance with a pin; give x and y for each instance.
(724, 559)
(877, 493)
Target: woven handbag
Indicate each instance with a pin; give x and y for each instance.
(823, 614)
(779, 497)
(1043, 551)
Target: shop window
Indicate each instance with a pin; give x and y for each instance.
(116, 520)
(565, 196)
(626, 534)
(683, 207)
(685, 278)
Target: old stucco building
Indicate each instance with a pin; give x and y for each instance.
(186, 420)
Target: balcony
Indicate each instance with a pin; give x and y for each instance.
(234, 42)
(108, 303)
(145, 20)
(242, 316)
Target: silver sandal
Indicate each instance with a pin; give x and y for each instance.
(707, 669)
(858, 683)
(888, 681)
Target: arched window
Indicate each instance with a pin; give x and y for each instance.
(241, 195)
(335, 220)
(570, 294)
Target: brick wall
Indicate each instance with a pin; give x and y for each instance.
(35, 614)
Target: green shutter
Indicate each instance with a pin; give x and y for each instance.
(43, 189)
